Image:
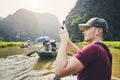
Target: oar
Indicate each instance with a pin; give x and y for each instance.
(29, 54)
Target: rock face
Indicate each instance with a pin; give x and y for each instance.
(25, 24)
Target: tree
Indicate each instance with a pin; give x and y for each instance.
(1, 38)
(86, 9)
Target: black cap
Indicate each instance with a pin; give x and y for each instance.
(96, 22)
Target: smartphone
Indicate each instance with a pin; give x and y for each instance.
(63, 24)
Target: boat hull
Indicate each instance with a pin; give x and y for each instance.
(47, 54)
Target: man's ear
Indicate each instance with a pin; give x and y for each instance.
(99, 31)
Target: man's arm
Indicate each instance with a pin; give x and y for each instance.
(64, 66)
(67, 67)
(74, 48)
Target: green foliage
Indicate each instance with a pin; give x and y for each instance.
(86, 9)
(6, 44)
(1, 38)
(113, 44)
(115, 63)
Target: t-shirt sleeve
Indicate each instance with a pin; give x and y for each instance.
(87, 55)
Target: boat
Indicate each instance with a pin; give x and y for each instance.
(47, 54)
(23, 46)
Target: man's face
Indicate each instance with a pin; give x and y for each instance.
(89, 33)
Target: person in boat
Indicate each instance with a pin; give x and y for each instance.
(94, 61)
(53, 45)
(47, 46)
(28, 43)
(22, 45)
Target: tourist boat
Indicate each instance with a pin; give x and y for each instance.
(23, 46)
(47, 54)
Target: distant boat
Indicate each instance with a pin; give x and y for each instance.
(22, 45)
(47, 54)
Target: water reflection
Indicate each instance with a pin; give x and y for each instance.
(15, 65)
(8, 51)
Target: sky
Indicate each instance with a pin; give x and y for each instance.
(60, 8)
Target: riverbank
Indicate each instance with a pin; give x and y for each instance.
(112, 44)
(7, 44)
(115, 62)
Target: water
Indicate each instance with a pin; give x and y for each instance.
(15, 65)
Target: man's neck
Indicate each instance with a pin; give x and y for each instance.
(96, 40)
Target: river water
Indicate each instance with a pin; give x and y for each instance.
(15, 65)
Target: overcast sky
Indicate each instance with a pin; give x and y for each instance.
(60, 8)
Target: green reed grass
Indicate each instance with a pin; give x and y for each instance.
(115, 62)
(6, 44)
(113, 44)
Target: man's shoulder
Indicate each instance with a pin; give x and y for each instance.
(91, 46)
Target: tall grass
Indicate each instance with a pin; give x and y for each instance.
(6, 44)
(113, 44)
(115, 62)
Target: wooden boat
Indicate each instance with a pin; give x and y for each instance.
(47, 54)
(23, 46)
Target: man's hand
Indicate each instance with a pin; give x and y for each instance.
(64, 34)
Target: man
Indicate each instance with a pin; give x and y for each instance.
(93, 62)
(53, 45)
(47, 46)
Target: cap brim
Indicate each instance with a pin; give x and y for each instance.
(83, 26)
